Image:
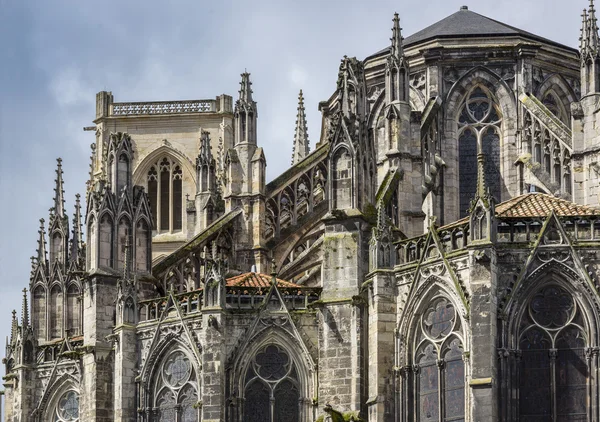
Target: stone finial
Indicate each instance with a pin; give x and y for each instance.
(13, 327)
(593, 42)
(583, 37)
(59, 192)
(77, 241)
(397, 48)
(41, 249)
(273, 270)
(301, 145)
(24, 310)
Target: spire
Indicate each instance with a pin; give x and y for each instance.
(41, 250)
(592, 36)
(77, 241)
(583, 38)
(245, 88)
(13, 327)
(397, 48)
(59, 192)
(24, 311)
(301, 145)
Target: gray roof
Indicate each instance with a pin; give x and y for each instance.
(465, 24)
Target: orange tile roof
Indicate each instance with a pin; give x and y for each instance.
(532, 205)
(257, 280)
(540, 205)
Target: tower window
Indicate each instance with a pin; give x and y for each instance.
(165, 192)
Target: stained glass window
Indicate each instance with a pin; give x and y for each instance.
(440, 369)
(67, 409)
(176, 389)
(272, 388)
(553, 369)
(479, 132)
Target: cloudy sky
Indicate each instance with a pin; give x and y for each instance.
(55, 55)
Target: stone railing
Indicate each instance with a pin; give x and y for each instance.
(163, 107)
(295, 298)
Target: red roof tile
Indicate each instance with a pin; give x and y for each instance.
(532, 205)
(257, 280)
(540, 205)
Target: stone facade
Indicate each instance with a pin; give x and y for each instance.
(434, 258)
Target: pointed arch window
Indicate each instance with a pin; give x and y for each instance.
(122, 172)
(38, 317)
(124, 245)
(141, 246)
(73, 310)
(553, 369)
(105, 252)
(56, 250)
(56, 312)
(271, 389)
(478, 132)
(342, 179)
(439, 367)
(555, 106)
(176, 389)
(165, 193)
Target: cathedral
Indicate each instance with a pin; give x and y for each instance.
(434, 257)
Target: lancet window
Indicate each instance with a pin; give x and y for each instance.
(176, 389)
(67, 408)
(271, 390)
(342, 179)
(478, 132)
(554, 372)
(165, 193)
(73, 310)
(439, 369)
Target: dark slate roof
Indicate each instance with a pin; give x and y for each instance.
(465, 24)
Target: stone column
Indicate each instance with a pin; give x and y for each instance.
(483, 355)
(381, 339)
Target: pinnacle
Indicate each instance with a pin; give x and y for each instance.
(397, 50)
(246, 87)
(59, 200)
(301, 146)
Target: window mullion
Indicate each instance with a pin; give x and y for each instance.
(441, 388)
(171, 198)
(158, 199)
(553, 353)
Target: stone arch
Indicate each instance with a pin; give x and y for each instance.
(433, 339)
(297, 353)
(557, 84)
(500, 94)
(417, 99)
(140, 171)
(564, 277)
(531, 349)
(433, 286)
(342, 168)
(46, 409)
(176, 382)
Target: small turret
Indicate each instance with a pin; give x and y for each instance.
(301, 145)
(245, 113)
(396, 70)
